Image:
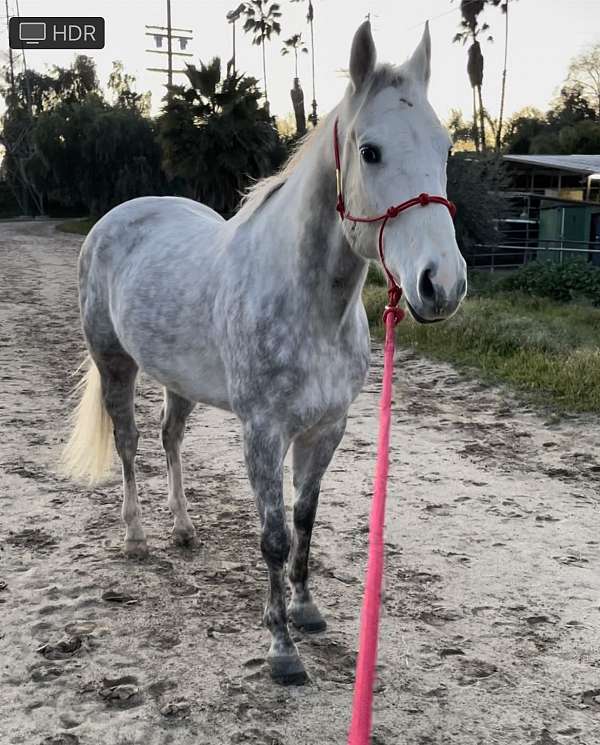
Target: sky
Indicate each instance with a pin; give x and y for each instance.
(544, 36)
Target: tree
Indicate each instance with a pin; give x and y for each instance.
(65, 144)
(26, 96)
(262, 22)
(460, 131)
(522, 128)
(295, 44)
(570, 107)
(121, 84)
(216, 137)
(584, 73)
(471, 31)
(96, 156)
(233, 16)
(476, 184)
(310, 17)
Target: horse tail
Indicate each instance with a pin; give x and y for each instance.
(88, 454)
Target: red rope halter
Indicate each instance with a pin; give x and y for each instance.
(394, 291)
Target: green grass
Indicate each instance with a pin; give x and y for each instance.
(548, 350)
(78, 227)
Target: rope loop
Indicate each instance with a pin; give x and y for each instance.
(396, 311)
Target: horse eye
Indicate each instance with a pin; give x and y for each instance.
(370, 154)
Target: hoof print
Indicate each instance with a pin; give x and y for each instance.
(122, 693)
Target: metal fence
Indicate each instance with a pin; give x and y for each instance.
(505, 256)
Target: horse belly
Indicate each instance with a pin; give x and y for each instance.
(198, 374)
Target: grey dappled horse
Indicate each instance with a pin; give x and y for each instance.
(262, 314)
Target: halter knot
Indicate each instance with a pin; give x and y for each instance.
(392, 212)
(395, 311)
(424, 199)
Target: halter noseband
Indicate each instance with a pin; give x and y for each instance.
(394, 291)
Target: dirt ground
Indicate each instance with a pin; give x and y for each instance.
(491, 623)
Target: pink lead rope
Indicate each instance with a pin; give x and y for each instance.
(362, 705)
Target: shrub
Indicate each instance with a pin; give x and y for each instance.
(572, 280)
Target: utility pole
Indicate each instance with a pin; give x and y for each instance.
(160, 33)
(11, 61)
(169, 46)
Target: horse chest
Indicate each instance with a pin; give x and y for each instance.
(302, 381)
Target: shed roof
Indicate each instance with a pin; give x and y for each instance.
(587, 164)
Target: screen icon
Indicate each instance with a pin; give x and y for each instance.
(32, 33)
(56, 33)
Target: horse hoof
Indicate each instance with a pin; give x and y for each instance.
(307, 618)
(288, 670)
(136, 549)
(185, 538)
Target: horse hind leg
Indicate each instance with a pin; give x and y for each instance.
(118, 372)
(312, 454)
(175, 412)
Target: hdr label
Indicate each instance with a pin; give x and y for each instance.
(56, 33)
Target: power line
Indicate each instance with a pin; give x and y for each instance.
(441, 15)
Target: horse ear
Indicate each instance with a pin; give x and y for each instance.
(420, 62)
(362, 56)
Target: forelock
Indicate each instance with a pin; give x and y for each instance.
(385, 76)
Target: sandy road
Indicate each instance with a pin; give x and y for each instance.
(491, 625)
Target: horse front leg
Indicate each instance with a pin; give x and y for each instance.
(265, 451)
(312, 454)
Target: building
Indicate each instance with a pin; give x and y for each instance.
(555, 208)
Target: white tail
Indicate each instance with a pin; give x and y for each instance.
(88, 454)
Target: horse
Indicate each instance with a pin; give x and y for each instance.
(262, 315)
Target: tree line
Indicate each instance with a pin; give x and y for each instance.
(72, 146)
(572, 123)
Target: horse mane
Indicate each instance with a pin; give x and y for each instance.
(257, 194)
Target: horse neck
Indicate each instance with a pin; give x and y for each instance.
(324, 267)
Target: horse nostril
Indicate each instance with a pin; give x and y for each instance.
(426, 289)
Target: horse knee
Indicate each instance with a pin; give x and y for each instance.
(275, 543)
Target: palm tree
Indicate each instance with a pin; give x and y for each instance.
(470, 30)
(295, 44)
(262, 22)
(232, 17)
(216, 136)
(310, 16)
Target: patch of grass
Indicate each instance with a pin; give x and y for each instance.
(78, 227)
(549, 350)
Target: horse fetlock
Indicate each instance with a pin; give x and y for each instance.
(135, 548)
(184, 533)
